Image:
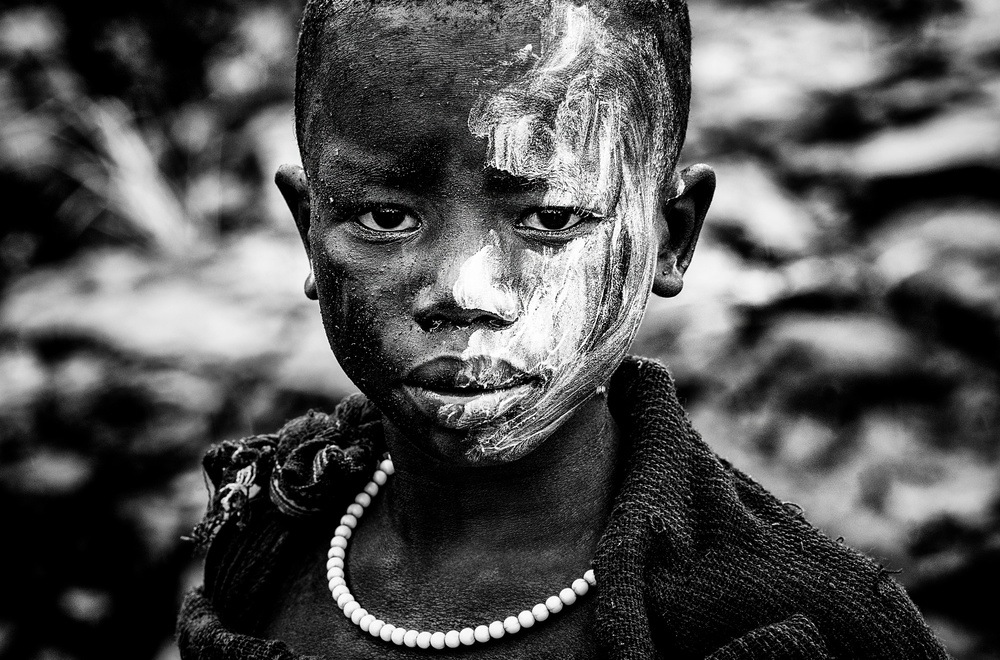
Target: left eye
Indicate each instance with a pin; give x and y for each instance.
(388, 219)
(555, 219)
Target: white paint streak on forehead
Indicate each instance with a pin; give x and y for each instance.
(480, 285)
(594, 102)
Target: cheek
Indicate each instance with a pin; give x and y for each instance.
(549, 286)
(630, 262)
(588, 294)
(361, 310)
(607, 281)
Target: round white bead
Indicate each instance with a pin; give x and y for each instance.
(387, 467)
(343, 599)
(336, 551)
(540, 612)
(452, 640)
(580, 587)
(363, 498)
(467, 636)
(397, 636)
(511, 624)
(366, 621)
(371, 488)
(339, 590)
(553, 604)
(410, 638)
(379, 477)
(437, 640)
(358, 614)
(334, 561)
(386, 632)
(335, 572)
(482, 634)
(342, 530)
(567, 596)
(590, 577)
(349, 520)
(525, 619)
(356, 510)
(496, 630)
(351, 607)
(336, 581)
(339, 542)
(424, 640)
(375, 627)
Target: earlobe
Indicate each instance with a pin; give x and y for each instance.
(310, 286)
(680, 224)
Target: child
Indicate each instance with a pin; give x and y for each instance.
(489, 195)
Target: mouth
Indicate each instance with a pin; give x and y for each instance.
(461, 393)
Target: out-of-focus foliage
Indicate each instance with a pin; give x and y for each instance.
(138, 126)
(151, 301)
(838, 336)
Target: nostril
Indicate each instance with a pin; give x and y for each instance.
(474, 291)
(451, 316)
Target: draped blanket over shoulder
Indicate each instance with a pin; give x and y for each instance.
(697, 561)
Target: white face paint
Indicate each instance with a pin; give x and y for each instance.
(478, 286)
(588, 119)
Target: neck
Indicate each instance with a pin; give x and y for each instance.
(559, 494)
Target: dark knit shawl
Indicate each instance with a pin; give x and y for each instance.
(697, 561)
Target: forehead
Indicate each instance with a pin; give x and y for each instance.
(573, 95)
(406, 76)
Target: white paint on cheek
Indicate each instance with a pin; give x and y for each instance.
(557, 286)
(582, 308)
(480, 285)
(548, 279)
(600, 146)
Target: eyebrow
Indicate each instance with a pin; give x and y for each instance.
(423, 170)
(501, 181)
(418, 174)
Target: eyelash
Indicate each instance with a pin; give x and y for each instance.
(373, 210)
(585, 217)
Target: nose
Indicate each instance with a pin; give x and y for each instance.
(469, 290)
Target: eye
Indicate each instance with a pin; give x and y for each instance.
(556, 219)
(388, 219)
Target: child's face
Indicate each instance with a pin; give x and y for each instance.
(482, 226)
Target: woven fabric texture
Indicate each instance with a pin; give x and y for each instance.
(697, 561)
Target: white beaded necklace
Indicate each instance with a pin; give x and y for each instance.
(422, 639)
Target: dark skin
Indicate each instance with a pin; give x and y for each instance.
(455, 539)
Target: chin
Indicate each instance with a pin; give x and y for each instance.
(485, 450)
(493, 445)
(476, 446)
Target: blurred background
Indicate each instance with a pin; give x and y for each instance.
(838, 337)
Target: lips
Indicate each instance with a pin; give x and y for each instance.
(459, 376)
(461, 394)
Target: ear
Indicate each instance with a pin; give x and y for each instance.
(291, 181)
(679, 226)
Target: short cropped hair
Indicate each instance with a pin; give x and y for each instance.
(664, 23)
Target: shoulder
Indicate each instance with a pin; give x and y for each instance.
(761, 571)
(266, 490)
(716, 558)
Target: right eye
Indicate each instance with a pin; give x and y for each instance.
(388, 219)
